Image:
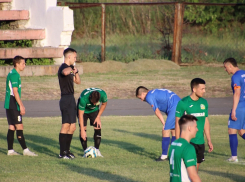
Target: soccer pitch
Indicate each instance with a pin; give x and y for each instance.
(129, 145)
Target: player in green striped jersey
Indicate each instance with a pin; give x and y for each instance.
(182, 155)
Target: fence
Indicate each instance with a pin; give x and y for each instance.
(158, 30)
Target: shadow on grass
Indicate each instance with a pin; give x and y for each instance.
(233, 177)
(143, 135)
(95, 173)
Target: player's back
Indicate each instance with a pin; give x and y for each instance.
(160, 98)
(238, 80)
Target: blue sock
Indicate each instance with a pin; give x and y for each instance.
(165, 144)
(243, 136)
(173, 139)
(233, 144)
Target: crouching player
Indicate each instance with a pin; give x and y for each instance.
(88, 108)
(166, 101)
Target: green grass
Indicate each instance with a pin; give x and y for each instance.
(129, 145)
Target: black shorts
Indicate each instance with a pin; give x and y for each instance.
(13, 117)
(200, 148)
(68, 109)
(91, 116)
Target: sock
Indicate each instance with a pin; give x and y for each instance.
(243, 136)
(21, 138)
(165, 144)
(68, 141)
(97, 138)
(173, 139)
(83, 143)
(62, 141)
(233, 144)
(10, 139)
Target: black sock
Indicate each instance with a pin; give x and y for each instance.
(62, 141)
(83, 143)
(21, 138)
(97, 138)
(68, 141)
(10, 139)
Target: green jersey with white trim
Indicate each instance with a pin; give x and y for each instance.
(199, 109)
(181, 156)
(85, 104)
(13, 80)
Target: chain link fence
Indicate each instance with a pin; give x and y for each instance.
(145, 31)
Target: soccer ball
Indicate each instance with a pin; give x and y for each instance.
(90, 152)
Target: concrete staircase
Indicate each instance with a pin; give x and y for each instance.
(21, 33)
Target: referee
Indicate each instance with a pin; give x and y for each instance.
(67, 74)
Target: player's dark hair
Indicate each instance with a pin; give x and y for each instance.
(231, 61)
(94, 97)
(17, 59)
(186, 119)
(69, 50)
(140, 90)
(195, 82)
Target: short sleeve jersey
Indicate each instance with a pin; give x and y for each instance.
(65, 81)
(84, 101)
(13, 80)
(238, 81)
(181, 156)
(161, 99)
(199, 109)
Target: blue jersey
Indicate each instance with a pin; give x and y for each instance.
(163, 99)
(238, 81)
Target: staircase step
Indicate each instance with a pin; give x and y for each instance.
(27, 34)
(34, 52)
(14, 15)
(5, 1)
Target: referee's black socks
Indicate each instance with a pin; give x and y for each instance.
(62, 141)
(21, 138)
(10, 139)
(68, 141)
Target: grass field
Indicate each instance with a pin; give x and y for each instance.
(122, 84)
(129, 145)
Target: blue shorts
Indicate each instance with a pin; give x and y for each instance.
(170, 121)
(240, 122)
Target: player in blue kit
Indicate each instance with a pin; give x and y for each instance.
(166, 101)
(237, 116)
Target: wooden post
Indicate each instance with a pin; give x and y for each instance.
(178, 25)
(102, 32)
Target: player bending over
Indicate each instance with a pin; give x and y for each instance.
(197, 106)
(182, 155)
(237, 116)
(88, 108)
(166, 101)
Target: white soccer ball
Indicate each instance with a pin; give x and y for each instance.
(90, 152)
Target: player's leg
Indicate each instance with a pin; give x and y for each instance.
(97, 132)
(200, 149)
(173, 135)
(11, 129)
(72, 119)
(233, 127)
(83, 142)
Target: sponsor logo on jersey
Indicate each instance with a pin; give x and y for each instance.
(202, 106)
(243, 75)
(198, 114)
(190, 105)
(177, 144)
(88, 104)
